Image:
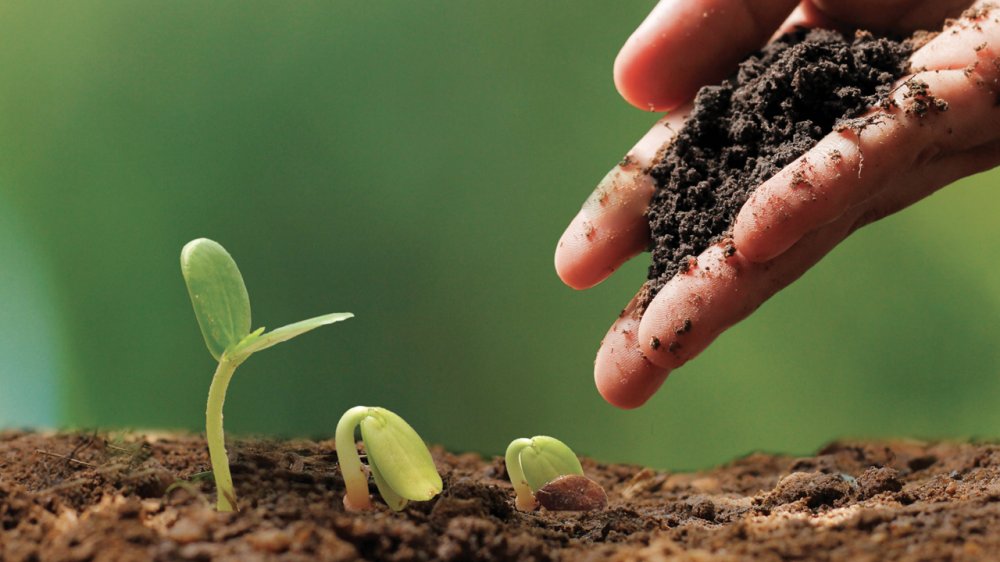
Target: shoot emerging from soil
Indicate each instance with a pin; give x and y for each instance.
(533, 463)
(398, 459)
(222, 307)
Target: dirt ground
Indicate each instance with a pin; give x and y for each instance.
(121, 497)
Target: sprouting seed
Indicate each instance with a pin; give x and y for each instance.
(398, 459)
(222, 307)
(533, 463)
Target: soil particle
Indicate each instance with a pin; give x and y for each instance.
(977, 12)
(921, 463)
(903, 500)
(779, 104)
(878, 480)
(703, 508)
(816, 488)
(918, 100)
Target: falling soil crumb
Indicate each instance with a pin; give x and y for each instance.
(921, 38)
(918, 99)
(779, 104)
(132, 497)
(799, 179)
(977, 12)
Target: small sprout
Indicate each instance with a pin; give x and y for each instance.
(533, 463)
(222, 307)
(399, 461)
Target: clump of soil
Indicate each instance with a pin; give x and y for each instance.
(779, 104)
(94, 497)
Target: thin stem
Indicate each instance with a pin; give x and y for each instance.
(525, 499)
(226, 500)
(355, 477)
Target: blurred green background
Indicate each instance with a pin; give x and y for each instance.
(415, 163)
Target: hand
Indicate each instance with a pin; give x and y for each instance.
(780, 232)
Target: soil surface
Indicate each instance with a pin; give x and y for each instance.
(779, 104)
(105, 497)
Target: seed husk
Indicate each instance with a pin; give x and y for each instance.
(572, 492)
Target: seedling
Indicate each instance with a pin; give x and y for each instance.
(533, 463)
(399, 461)
(222, 306)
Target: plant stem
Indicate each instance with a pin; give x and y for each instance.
(355, 477)
(525, 499)
(226, 494)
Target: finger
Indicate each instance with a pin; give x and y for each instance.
(695, 307)
(918, 184)
(611, 227)
(891, 17)
(885, 16)
(819, 186)
(963, 42)
(722, 288)
(938, 112)
(624, 377)
(684, 44)
(804, 15)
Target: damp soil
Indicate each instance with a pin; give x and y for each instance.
(777, 106)
(124, 497)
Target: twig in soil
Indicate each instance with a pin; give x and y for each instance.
(134, 453)
(84, 445)
(189, 485)
(66, 458)
(857, 126)
(906, 82)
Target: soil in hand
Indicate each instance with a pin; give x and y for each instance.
(779, 104)
(92, 497)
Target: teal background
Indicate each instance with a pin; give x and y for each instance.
(415, 163)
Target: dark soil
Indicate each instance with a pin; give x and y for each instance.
(96, 497)
(779, 104)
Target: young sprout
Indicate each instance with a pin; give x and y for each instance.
(399, 461)
(533, 463)
(545, 470)
(222, 307)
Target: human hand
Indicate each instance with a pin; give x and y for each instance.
(780, 232)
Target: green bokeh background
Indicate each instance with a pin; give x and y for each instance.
(415, 163)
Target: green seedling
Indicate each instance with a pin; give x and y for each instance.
(533, 463)
(398, 459)
(222, 306)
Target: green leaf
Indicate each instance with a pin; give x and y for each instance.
(285, 333)
(391, 498)
(219, 297)
(251, 337)
(400, 456)
(547, 459)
